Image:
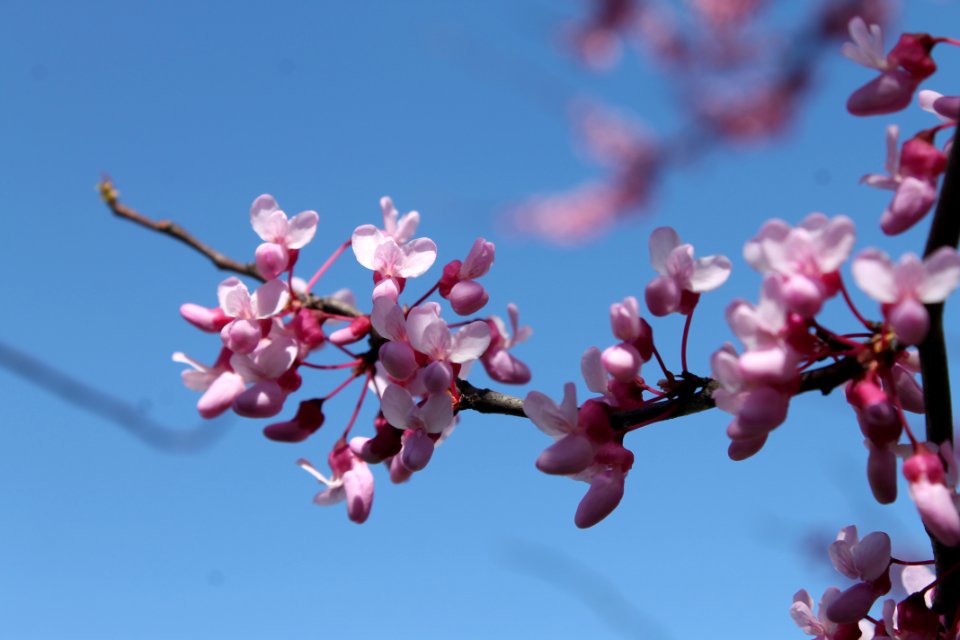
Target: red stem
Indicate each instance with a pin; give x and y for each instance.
(326, 265)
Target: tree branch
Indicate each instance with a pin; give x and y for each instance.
(692, 396)
(935, 373)
(111, 197)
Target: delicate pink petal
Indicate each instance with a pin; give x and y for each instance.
(911, 201)
(553, 420)
(396, 404)
(478, 261)
(387, 318)
(272, 260)
(872, 555)
(603, 496)
(270, 299)
(802, 613)
(663, 240)
(942, 277)
(591, 366)
(234, 298)
(419, 256)
(709, 273)
(835, 243)
(364, 242)
(417, 450)
(301, 229)
(437, 412)
(569, 455)
(939, 514)
(873, 272)
(358, 490)
(841, 552)
(887, 93)
(262, 212)
(852, 605)
(330, 496)
(220, 394)
(469, 342)
(263, 400)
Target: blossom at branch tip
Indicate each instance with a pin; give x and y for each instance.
(244, 331)
(912, 175)
(400, 228)
(806, 258)
(499, 363)
(904, 288)
(352, 481)
(283, 237)
(901, 71)
(681, 278)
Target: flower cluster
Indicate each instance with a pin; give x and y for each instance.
(414, 359)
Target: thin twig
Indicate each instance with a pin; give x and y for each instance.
(110, 197)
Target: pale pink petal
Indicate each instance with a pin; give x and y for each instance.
(753, 251)
(935, 503)
(234, 298)
(263, 400)
(387, 318)
(270, 299)
(663, 240)
(241, 335)
(277, 357)
(272, 259)
(427, 332)
(364, 242)
(419, 256)
(802, 613)
(555, 421)
(880, 181)
(478, 261)
(709, 273)
(916, 578)
(873, 272)
(591, 366)
(469, 342)
(396, 405)
(942, 275)
(437, 412)
(569, 455)
(911, 201)
(835, 243)
(407, 226)
(330, 496)
(841, 552)
(262, 212)
(926, 98)
(872, 555)
(301, 229)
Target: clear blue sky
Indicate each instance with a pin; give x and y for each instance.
(195, 109)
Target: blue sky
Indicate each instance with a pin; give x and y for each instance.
(450, 108)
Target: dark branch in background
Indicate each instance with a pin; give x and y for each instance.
(944, 232)
(111, 198)
(123, 414)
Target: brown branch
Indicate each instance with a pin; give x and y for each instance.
(111, 196)
(692, 396)
(935, 373)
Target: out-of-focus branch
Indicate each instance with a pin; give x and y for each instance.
(111, 198)
(692, 396)
(944, 232)
(121, 413)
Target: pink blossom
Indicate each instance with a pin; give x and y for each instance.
(283, 238)
(351, 481)
(399, 228)
(431, 336)
(243, 333)
(819, 626)
(220, 384)
(499, 363)
(308, 419)
(912, 175)
(682, 278)
(904, 288)
(806, 257)
(265, 367)
(458, 283)
(901, 71)
(434, 416)
(857, 559)
(203, 318)
(934, 500)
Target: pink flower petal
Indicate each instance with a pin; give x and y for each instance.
(873, 272)
(470, 342)
(942, 275)
(663, 240)
(419, 256)
(301, 229)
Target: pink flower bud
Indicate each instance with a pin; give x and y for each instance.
(358, 329)
(622, 361)
(241, 336)
(625, 319)
(921, 159)
(272, 260)
(209, 320)
(467, 297)
(437, 377)
(398, 359)
(887, 93)
(909, 320)
(763, 409)
(852, 605)
(803, 296)
(743, 448)
(220, 394)
(449, 277)
(503, 367)
(262, 400)
(417, 449)
(568, 455)
(662, 296)
(308, 419)
(911, 201)
(308, 328)
(603, 496)
(948, 107)
(398, 472)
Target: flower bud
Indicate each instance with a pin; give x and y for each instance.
(467, 297)
(272, 260)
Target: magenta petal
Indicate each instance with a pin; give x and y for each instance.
(662, 296)
(852, 605)
(882, 474)
(398, 360)
(887, 93)
(271, 259)
(503, 367)
(910, 321)
(358, 487)
(220, 394)
(417, 450)
(567, 456)
(467, 297)
(603, 496)
(262, 400)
